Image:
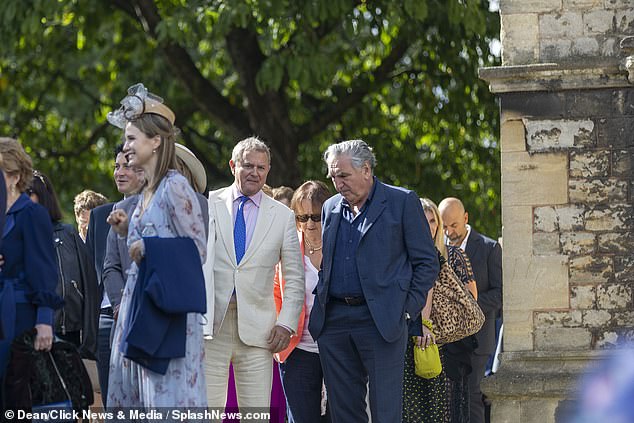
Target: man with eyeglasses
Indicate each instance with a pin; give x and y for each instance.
(249, 233)
(379, 262)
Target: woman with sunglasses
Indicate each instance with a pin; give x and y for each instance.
(302, 375)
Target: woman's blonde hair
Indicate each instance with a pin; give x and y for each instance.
(439, 236)
(152, 125)
(15, 161)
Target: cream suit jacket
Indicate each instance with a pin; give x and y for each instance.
(274, 240)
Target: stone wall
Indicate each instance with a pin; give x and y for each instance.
(558, 31)
(567, 154)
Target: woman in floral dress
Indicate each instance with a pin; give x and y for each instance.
(167, 208)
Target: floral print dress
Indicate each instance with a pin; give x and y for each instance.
(174, 211)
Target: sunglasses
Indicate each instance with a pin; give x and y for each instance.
(303, 218)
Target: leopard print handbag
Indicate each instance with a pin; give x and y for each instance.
(454, 312)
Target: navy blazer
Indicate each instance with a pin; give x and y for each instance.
(96, 236)
(486, 260)
(170, 284)
(396, 260)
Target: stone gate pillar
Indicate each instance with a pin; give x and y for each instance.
(567, 146)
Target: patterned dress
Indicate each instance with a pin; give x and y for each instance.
(173, 211)
(440, 399)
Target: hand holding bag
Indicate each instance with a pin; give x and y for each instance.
(427, 361)
(454, 311)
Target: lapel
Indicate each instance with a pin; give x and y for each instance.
(375, 208)
(266, 215)
(329, 232)
(223, 210)
(22, 201)
(472, 248)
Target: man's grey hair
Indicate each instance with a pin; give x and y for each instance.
(358, 151)
(246, 146)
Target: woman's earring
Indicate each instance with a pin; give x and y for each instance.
(154, 151)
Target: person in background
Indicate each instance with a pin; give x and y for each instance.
(167, 208)
(379, 261)
(300, 367)
(77, 320)
(129, 181)
(283, 194)
(83, 203)
(486, 259)
(29, 274)
(193, 170)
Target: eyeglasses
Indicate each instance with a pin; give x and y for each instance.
(303, 218)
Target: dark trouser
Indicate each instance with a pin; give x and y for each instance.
(476, 406)
(352, 351)
(302, 377)
(106, 324)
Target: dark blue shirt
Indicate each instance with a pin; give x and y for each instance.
(345, 274)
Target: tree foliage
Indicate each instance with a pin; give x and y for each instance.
(300, 74)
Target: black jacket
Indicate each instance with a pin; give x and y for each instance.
(77, 285)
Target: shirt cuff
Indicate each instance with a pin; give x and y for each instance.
(44, 316)
(291, 331)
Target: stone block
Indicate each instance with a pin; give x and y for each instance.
(615, 243)
(546, 219)
(610, 47)
(597, 191)
(549, 105)
(561, 25)
(545, 243)
(596, 103)
(624, 20)
(624, 268)
(534, 180)
(596, 318)
(538, 410)
(583, 297)
(618, 4)
(615, 132)
(508, 7)
(577, 243)
(567, 319)
(517, 230)
(537, 282)
(614, 296)
(519, 38)
(512, 136)
(581, 4)
(548, 135)
(585, 46)
(562, 339)
(623, 318)
(607, 339)
(622, 161)
(506, 411)
(570, 218)
(588, 269)
(587, 164)
(608, 218)
(554, 49)
(598, 22)
(518, 330)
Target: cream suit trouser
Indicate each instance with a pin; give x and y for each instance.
(252, 367)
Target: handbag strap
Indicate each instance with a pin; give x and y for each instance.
(59, 375)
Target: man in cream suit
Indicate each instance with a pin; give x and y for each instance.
(249, 233)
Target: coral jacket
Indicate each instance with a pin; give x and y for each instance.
(278, 290)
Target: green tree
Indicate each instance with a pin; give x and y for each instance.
(300, 74)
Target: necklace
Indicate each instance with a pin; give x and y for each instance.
(311, 249)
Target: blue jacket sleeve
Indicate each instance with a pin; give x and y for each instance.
(39, 263)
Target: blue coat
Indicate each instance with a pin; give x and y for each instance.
(396, 260)
(29, 274)
(3, 201)
(170, 284)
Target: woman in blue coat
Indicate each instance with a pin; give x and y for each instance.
(28, 275)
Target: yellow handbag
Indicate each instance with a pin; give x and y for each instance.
(427, 361)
